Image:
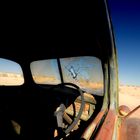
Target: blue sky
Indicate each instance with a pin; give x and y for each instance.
(125, 16)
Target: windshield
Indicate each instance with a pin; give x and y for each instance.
(85, 71)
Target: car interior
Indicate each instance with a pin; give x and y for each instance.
(52, 81)
(58, 99)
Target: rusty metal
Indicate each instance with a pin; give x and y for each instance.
(132, 111)
(107, 129)
(95, 123)
(124, 110)
(130, 126)
(90, 129)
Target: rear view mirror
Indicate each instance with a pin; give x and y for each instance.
(10, 73)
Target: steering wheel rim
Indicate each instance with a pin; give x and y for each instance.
(73, 124)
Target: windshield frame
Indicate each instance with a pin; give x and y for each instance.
(98, 88)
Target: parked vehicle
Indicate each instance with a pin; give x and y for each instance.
(64, 86)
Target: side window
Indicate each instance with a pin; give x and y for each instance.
(10, 73)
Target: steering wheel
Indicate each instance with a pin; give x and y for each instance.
(60, 111)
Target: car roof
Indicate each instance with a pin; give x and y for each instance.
(87, 33)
